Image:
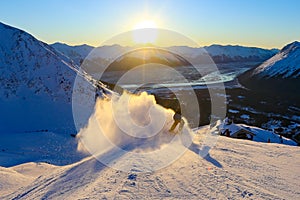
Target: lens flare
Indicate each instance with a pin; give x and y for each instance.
(145, 32)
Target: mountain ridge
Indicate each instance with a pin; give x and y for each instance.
(279, 74)
(219, 53)
(285, 64)
(36, 84)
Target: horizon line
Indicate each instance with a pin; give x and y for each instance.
(149, 45)
(95, 46)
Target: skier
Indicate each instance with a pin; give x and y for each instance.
(177, 119)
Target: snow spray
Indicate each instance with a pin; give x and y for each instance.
(132, 124)
(130, 131)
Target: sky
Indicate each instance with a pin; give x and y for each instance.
(261, 23)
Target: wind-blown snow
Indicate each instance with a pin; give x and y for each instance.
(132, 123)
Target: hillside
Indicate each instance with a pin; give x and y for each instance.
(284, 65)
(279, 74)
(229, 53)
(36, 85)
(235, 169)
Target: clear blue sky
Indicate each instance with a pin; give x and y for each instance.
(263, 23)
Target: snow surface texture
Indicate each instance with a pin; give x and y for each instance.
(234, 169)
(285, 64)
(28, 68)
(35, 81)
(36, 85)
(54, 148)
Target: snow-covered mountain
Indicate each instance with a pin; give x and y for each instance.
(285, 64)
(109, 52)
(36, 89)
(225, 54)
(219, 53)
(229, 53)
(76, 53)
(80, 52)
(36, 84)
(278, 74)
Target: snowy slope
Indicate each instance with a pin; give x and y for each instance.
(234, 169)
(15, 177)
(54, 148)
(285, 64)
(36, 84)
(11, 181)
(279, 75)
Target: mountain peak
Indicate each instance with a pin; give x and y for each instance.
(57, 44)
(291, 47)
(285, 64)
(36, 78)
(280, 73)
(6, 27)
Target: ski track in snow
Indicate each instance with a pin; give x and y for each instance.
(234, 169)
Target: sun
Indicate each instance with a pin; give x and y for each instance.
(145, 32)
(145, 24)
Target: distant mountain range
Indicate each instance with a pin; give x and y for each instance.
(76, 53)
(37, 79)
(219, 53)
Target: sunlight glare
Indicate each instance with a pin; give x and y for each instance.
(145, 32)
(145, 24)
